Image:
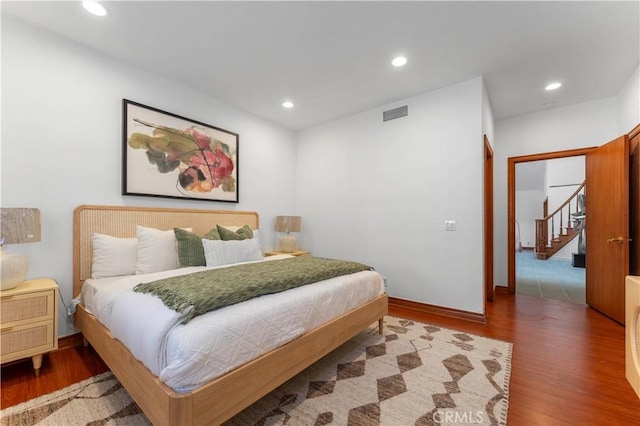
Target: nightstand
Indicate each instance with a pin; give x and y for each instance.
(29, 321)
(294, 253)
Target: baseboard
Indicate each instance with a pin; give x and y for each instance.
(71, 341)
(501, 289)
(436, 310)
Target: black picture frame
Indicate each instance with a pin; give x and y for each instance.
(171, 156)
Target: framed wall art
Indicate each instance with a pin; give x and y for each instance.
(166, 155)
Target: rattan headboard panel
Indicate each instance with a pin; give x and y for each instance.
(121, 221)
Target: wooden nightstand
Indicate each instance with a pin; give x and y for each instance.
(294, 253)
(29, 321)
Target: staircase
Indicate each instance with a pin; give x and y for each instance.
(551, 235)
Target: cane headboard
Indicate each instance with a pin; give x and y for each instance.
(121, 221)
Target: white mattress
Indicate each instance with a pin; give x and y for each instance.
(185, 356)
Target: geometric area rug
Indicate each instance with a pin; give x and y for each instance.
(413, 374)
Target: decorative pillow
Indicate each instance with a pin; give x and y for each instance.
(113, 256)
(220, 252)
(157, 250)
(226, 234)
(190, 251)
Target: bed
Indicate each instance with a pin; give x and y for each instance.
(221, 398)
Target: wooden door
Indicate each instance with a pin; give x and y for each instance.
(489, 288)
(607, 227)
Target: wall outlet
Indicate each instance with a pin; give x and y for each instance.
(449, 225)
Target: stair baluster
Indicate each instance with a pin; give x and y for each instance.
(547, 247)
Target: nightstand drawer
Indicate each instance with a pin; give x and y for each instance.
(22, 341)
(29, 321)
(27, 308)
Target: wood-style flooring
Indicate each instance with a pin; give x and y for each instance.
(568, 363)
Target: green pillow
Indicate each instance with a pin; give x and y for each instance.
(213, 234)
(244, 233)
(190, 250)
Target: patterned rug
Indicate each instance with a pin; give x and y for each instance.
(414, 374)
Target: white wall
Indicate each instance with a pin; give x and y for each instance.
(380, 193)
(577, 126)
(528, 209)
(628, 103)
(62, 143)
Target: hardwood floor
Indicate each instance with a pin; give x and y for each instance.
(568, 363)
(59, 369)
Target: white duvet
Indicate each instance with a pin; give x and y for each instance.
(185, 356)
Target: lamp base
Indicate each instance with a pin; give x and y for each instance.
(13, 269)
(288, 244)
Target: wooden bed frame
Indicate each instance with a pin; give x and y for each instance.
(222, 398)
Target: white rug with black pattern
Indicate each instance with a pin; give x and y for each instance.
(413, 374)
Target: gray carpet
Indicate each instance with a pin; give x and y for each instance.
(554, 278)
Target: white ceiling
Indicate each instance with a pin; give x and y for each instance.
(332, 59)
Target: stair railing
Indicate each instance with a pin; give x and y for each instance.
(548, 223)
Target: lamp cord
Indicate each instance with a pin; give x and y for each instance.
(70, 310)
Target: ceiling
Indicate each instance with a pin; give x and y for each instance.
(332, 59)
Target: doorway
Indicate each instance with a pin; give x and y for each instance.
(549, 239)
(511, 203)
(609, 236)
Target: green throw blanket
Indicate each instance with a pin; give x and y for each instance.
(216, 288)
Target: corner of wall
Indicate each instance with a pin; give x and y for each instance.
(628, 103)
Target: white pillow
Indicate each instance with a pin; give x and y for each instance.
(219, 252)
(113, 256)
(157, 250)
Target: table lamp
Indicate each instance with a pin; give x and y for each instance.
(288, 224)
(17, 225)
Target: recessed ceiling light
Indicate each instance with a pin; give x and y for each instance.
(553, 86)
(287, 104)
(399, 61)
(94, 7)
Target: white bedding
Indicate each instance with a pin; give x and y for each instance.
(185, 356)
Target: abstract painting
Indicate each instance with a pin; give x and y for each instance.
(166, 155)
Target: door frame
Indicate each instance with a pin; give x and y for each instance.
(489, 287)
(511, 203)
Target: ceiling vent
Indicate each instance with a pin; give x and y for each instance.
(392, 114)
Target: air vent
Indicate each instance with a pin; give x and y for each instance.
(392, 114)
